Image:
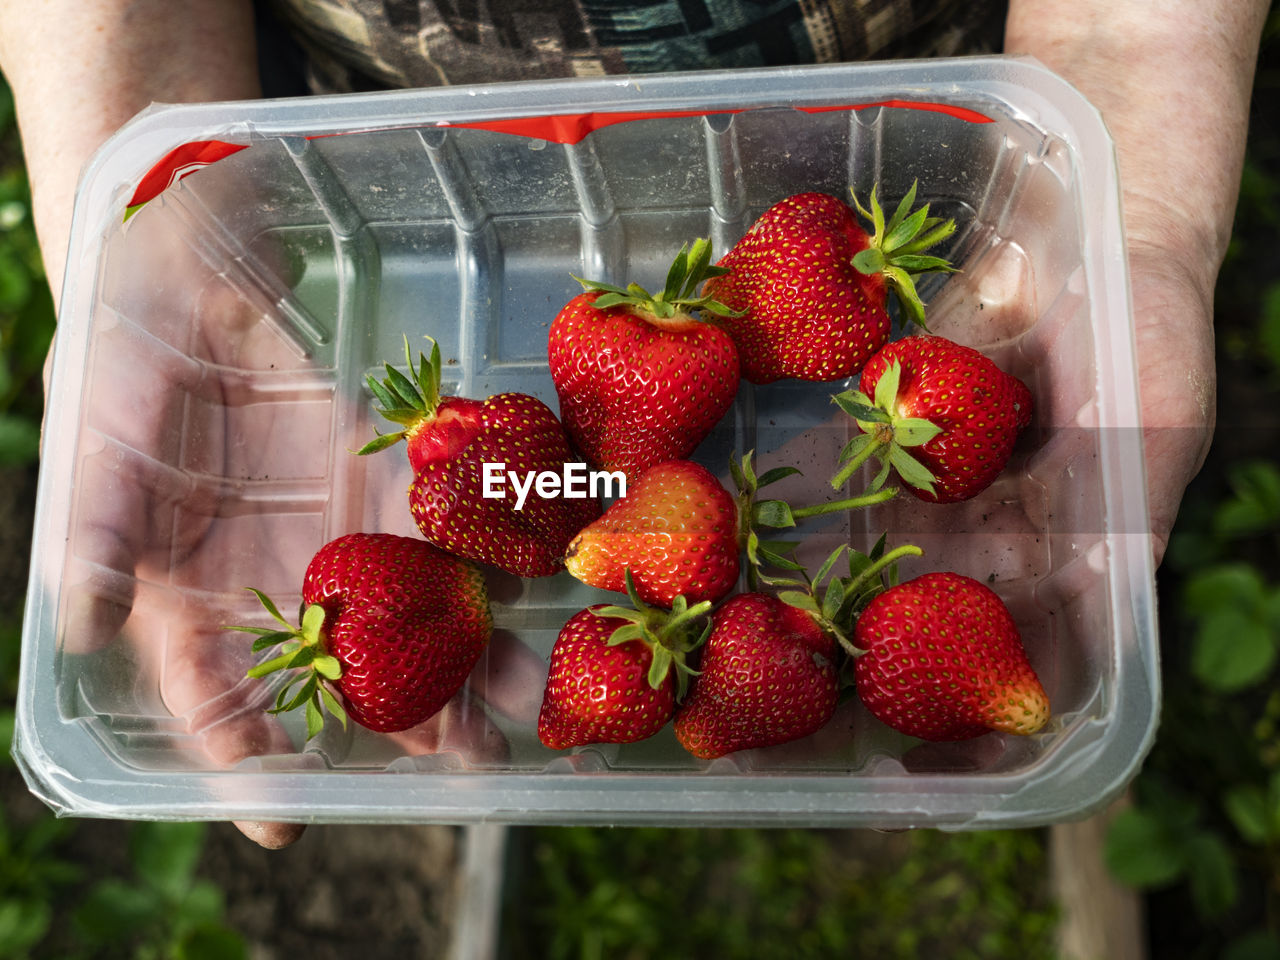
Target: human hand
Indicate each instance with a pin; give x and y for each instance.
(217, 456)
(1173, 86)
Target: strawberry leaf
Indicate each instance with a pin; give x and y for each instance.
(832, 599)
(328, 667)
(776, 474)
(773, 513)
(380, 442)
(739, 478)
(853, 448)
(800, 600)
(677, 275)
(905, 290)
(887, 387)
(860, 407)
(905, 230)
(869, 261)
(302, 657)
(659, 666)
(312, 621)
(271, 608)
(598, 286)
(911, 470)
(332, 705)
(778, 560)
(270, 666)
(304, 694)
(919, 263)
(269, 639)
(936, 230)
(914, 432)
(403, 389)
(385, 397)
(315, 719)
(903, 210)
(829, 564)
(881, 478)
(625, 634)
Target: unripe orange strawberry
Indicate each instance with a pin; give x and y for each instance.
(676, 531)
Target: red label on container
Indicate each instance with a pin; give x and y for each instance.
(176, 164)
(574, 127)
(556, 128)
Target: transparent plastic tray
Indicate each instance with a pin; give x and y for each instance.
(208, 383)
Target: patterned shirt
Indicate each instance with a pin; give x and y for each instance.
(366, 44)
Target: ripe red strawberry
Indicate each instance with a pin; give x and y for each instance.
(640, 378)
(954, 408)
(676, 530)
(767, 675)
(392, 624)
(811, 285)
(451, 439)
(616, 674)
(434, 427)
(944, 661)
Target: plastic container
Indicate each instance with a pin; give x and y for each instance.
(208, 388)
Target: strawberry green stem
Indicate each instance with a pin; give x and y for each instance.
(851, 503)
(894, 555)
(879, 440)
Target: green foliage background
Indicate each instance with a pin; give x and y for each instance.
(1204, 836)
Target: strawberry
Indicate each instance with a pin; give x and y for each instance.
(434, 428)
(676, 530)
(640, 378)
(956, 411)
(451, 439)
(767, 675)
(390, 623)
(810, 285)
(616, 673)
(943, 661)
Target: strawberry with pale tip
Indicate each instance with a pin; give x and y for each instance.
(642, 378)
(940, 658)
(809, 286)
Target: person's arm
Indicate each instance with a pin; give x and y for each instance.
(80, 68)
(1173, 82)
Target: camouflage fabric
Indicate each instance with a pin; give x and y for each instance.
(365, 44)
